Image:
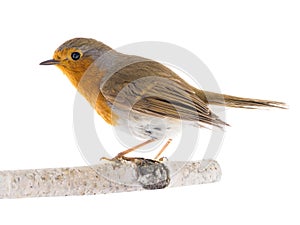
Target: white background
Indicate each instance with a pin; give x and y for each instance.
(253, 50)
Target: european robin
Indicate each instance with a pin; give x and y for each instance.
(128, 90)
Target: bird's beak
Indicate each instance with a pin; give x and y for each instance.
(50, 62)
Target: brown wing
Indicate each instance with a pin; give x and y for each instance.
(151, 88)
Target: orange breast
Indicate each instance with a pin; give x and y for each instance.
(104, 110)
(86, 78)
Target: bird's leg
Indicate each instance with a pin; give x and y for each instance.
(162, 149)
(121, 154)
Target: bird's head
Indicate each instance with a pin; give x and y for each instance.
(75, 56)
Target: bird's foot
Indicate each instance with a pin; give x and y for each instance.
(163, 159)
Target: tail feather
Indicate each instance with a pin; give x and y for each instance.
(238, 102)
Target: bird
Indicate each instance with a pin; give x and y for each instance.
(140, 93)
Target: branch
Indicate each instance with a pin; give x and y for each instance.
(122, 175)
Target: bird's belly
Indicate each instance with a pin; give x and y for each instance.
(146, 126)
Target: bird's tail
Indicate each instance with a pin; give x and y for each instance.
(237, 102)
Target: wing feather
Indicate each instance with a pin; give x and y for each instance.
(151, 88)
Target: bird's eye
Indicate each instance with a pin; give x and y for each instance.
(75, 55)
